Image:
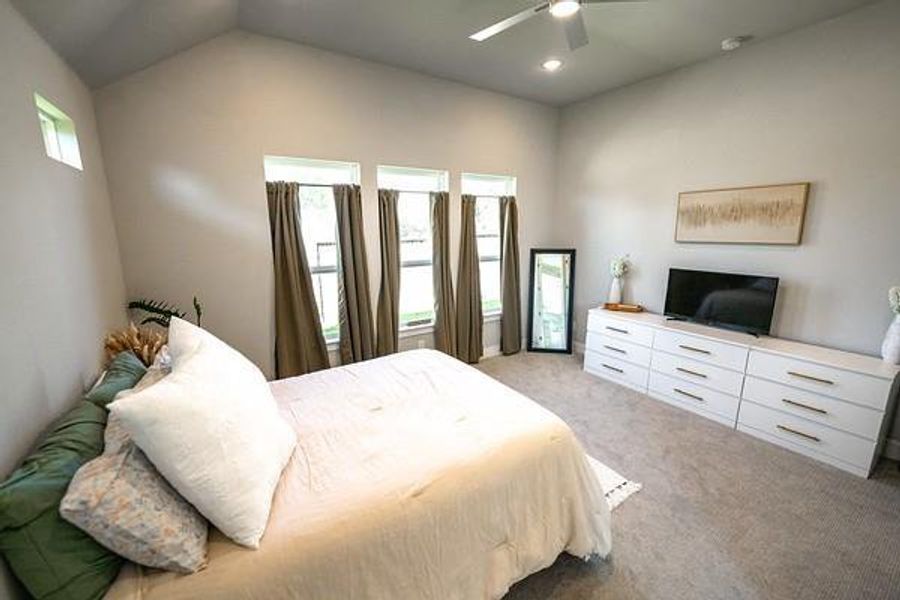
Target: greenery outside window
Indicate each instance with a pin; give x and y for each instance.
(58, 133)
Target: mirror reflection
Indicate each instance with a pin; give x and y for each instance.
(550, 300)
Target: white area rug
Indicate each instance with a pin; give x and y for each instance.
(617, 488)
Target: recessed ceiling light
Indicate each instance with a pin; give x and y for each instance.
(552, 65)
(564, 8)
(733, 43)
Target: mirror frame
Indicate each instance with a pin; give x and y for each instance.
(534, 253)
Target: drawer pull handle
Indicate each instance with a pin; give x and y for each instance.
(617, 330)
(614, 349)
(689, 372)
(611, 368)
(688, 395)
(693, 349)
(800, 433)
(810, 378)
(821, 411)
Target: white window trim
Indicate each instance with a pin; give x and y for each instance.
(509, 181)
(62, 145)
(426, 328)
(318, 270)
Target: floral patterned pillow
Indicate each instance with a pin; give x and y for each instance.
(121, 501)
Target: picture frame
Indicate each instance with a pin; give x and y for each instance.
(753, 215)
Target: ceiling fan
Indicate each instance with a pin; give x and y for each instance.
(568, 11)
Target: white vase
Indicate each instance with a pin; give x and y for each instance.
(890, 349)
(615, 291)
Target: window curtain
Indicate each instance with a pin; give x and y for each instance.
(468, 290)
(388, 312)
(299, 343)
(444, 308)
(511, 317)
(355, 306)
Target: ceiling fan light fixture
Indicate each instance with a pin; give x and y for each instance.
(551, 65)
(564, 8)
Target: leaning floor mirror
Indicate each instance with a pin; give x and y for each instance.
(550, 296)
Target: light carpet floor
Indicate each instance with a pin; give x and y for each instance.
(721, 514)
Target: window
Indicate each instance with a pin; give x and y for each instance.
(318, 224)
(414, 216)
(58, 133)
(487, 190)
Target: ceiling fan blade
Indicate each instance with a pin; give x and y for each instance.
(487, 32)
(576, 34)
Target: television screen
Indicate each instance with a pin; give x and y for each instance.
(729, 300)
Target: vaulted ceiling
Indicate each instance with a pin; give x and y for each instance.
(104, 40)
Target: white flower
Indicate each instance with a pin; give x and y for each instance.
(894, 299)
(618, 267)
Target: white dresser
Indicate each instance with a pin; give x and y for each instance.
(827, 404)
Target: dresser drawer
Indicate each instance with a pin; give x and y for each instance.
(616, 369)
(700, 373)
(865, 422)
(821, 379)
(711, 351)
(620, 329)
(618, 348)
(691, 396)
(792, 431)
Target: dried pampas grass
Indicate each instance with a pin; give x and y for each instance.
(145, 342)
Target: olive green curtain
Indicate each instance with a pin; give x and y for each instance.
(444, 306)
(388, 311)
(299, 343)
(469, 346)
(511, 317)
(355, 306)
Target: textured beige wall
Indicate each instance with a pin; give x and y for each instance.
(820, 105)
(61, 279)
(185, 140)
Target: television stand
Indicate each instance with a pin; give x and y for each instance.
(827, 404)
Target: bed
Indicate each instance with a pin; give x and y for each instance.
(415, 476)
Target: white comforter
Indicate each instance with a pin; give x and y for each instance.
(415, 476)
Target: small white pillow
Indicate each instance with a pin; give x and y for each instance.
(212, 429)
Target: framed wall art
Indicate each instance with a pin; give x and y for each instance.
(769, 214)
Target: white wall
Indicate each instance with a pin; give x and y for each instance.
(61, 281)
(818, 105)
(185, 139)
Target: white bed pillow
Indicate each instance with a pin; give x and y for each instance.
(212, 429)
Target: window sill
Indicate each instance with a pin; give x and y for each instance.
(415, 330)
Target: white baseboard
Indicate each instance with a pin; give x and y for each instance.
(892, 449)
(491, 351)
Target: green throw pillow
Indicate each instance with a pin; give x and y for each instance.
(53, 559)
(123, 373)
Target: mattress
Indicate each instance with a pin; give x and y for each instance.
(415, 476)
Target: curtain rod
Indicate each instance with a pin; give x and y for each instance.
(329, 185)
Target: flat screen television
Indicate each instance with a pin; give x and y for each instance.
(727, 300)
